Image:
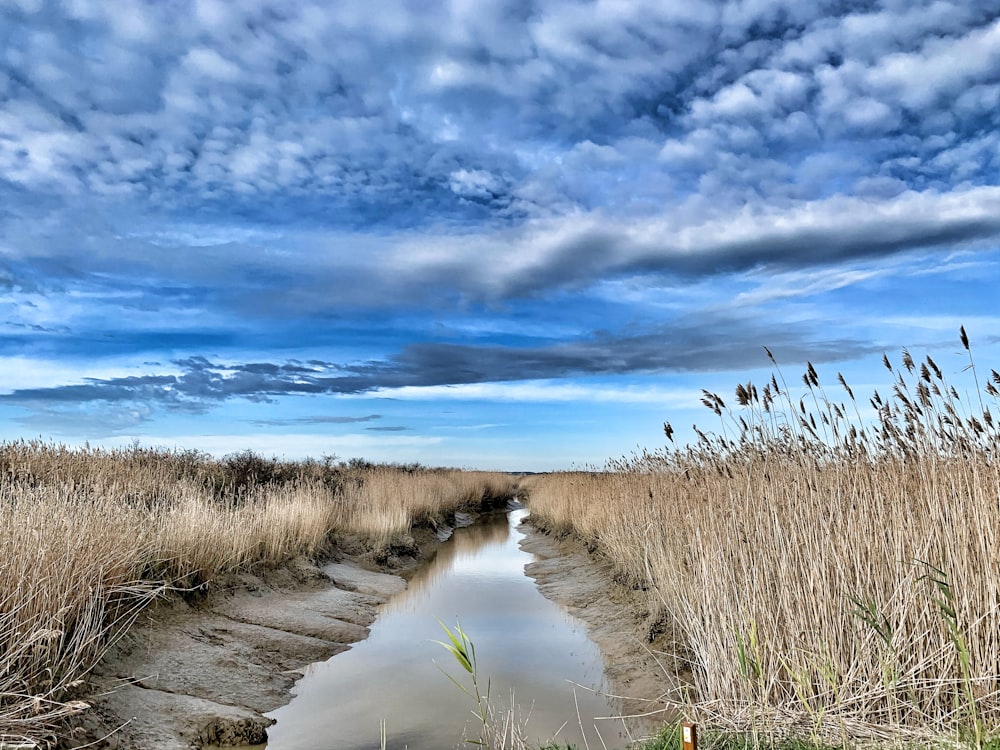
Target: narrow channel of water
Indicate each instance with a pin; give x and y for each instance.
(524, 643)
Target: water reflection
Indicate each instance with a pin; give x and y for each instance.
(525, 644)
(467, 542)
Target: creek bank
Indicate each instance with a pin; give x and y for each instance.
(203, 669)
(644, 661)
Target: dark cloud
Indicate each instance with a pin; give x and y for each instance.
(688, 346)
(393, 428)
(576, 254)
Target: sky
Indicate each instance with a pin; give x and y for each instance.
(513, 234)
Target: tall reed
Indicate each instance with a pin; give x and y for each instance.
(831, 563)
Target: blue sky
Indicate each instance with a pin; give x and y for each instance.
(515, 235)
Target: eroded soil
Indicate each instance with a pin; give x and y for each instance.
(200, 673)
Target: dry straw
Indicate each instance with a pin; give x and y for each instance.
(832, 564)
(90, 537)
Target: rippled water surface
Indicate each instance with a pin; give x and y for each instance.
(524, 642)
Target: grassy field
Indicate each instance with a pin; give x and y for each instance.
(89, 537)
(831, 560)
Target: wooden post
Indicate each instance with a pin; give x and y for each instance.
(689, 737)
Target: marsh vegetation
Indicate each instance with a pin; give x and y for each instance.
(829, 559)
(90, 537)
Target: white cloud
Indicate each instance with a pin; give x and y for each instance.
(475, 183)
(942, 68)
(802, 284)
(869, 115)
(586, 248)
(209, 62)
(542, 392)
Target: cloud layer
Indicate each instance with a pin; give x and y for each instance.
(503, 113)
(272, 199)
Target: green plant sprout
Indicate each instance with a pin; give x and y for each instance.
(461, 647)
(944, 598)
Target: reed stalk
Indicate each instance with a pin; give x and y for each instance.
(786, 549)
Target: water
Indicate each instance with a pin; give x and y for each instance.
(524, 643)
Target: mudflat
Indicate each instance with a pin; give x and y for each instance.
(203, 672)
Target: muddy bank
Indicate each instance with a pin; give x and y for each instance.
(644, 662)
(204, 669)
(191, 674)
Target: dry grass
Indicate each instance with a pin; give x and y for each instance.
(388, 501)
(832, 567)
(88, 538)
